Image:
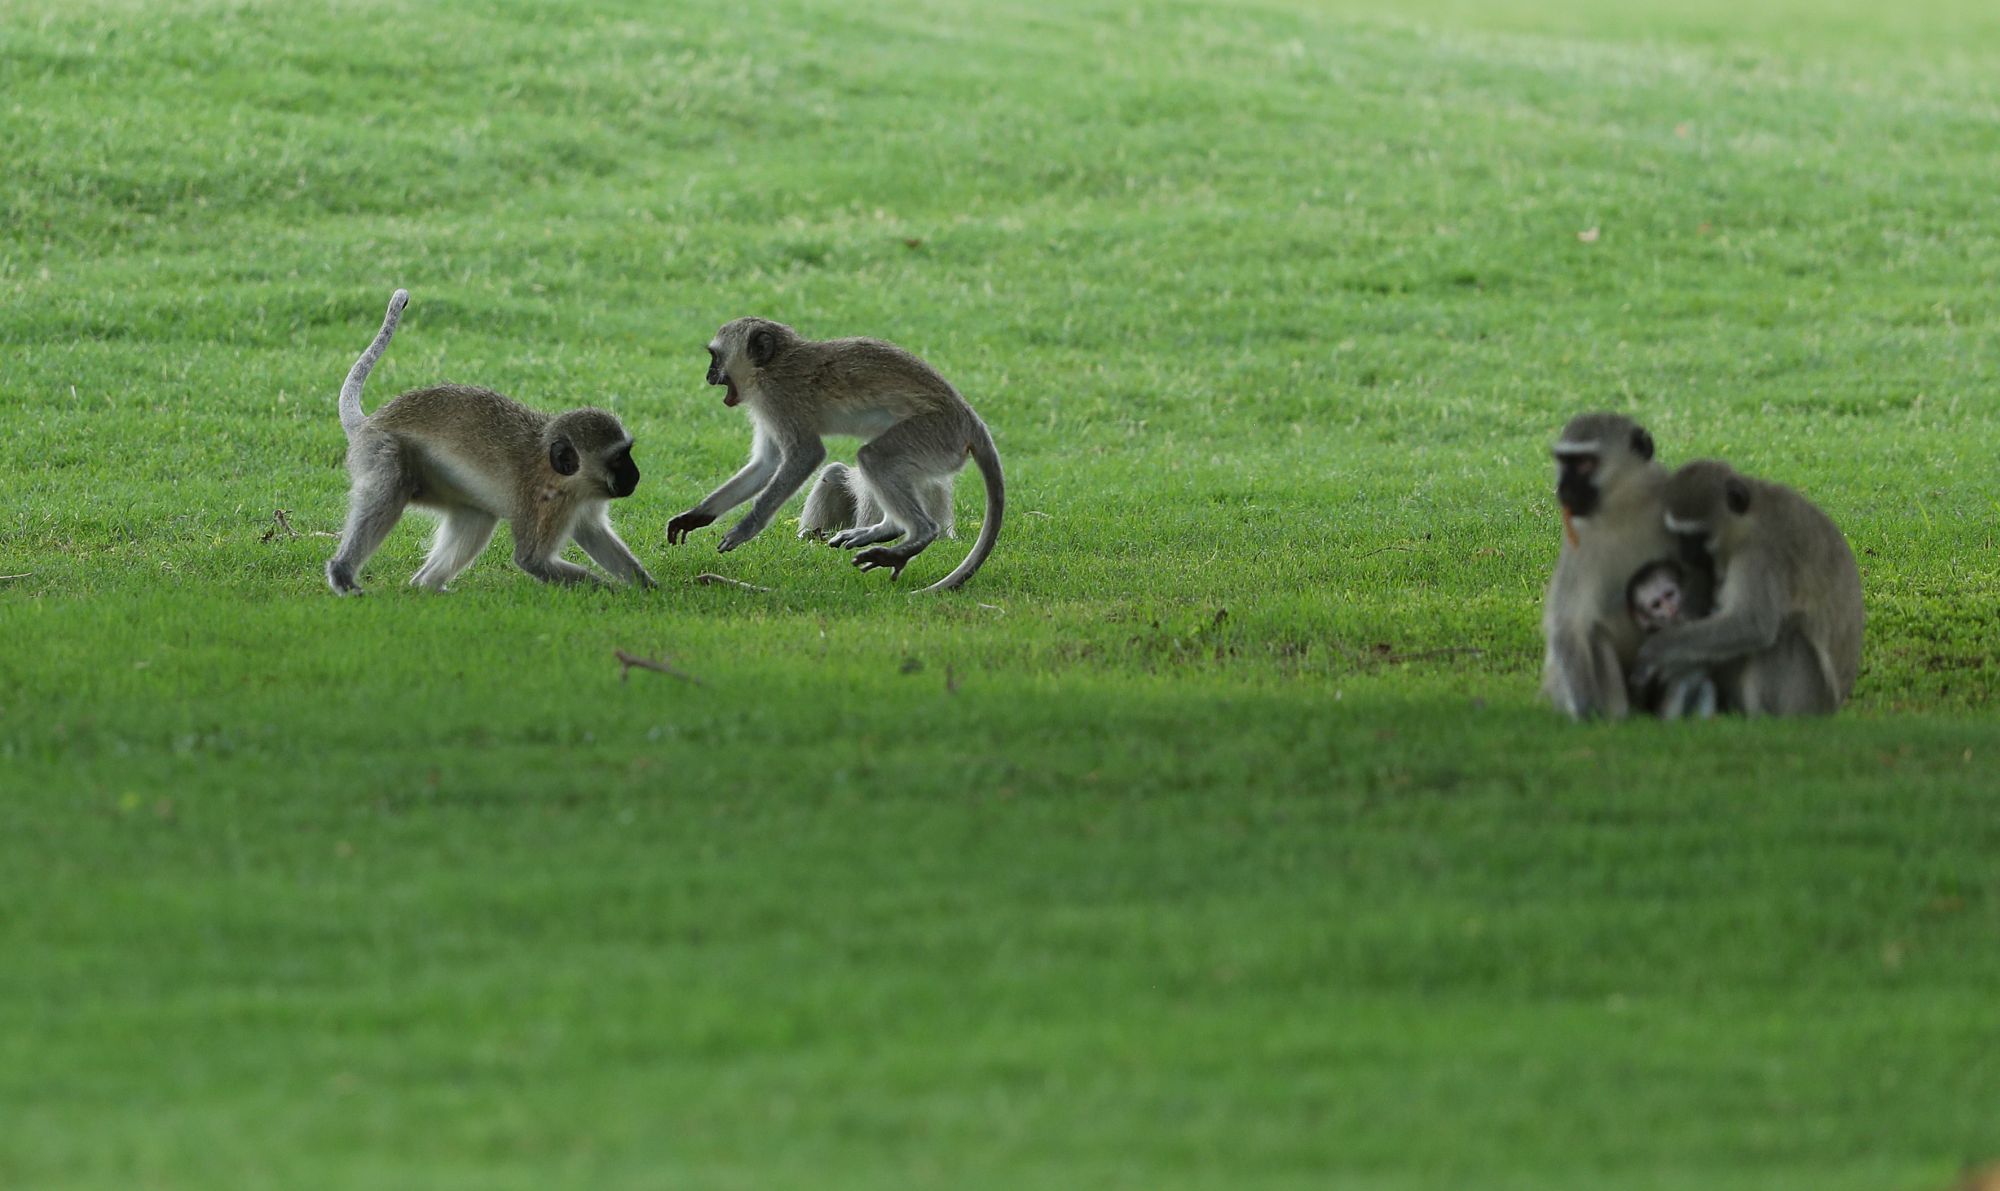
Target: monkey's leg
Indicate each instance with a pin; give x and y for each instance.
(866, 535)
(1566, 675)
(937, 502)
(1583, 677)
(898, 465)
(461, 536)
(832, 504)
(870, 524)
(1691, 696)
(606, 549)
(374, 505)
(1610, 679)
(1787, 679)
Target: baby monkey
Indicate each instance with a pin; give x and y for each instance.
(472, 457)
(1658, 598)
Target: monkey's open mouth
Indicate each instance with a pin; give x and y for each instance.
(732, 396)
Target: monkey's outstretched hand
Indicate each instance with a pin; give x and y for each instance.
(680, 527)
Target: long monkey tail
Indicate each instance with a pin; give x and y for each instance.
(983, 453)
(351, 416)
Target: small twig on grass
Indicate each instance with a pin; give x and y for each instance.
(715, 580)
(22, 575)
(1423, 654)
(1383, 653)
(282, 522)
(629, 662)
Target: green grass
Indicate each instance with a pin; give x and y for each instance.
(1214, 836)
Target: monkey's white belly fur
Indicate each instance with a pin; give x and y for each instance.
(862, 420)
(861, 423)
(450, 482)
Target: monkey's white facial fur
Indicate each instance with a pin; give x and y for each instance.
(1694, 530)
(1657, 604)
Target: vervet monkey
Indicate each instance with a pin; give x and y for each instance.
(1785, 636)
(918, 433)
(1608, 486)
(1658, 597)
(472, 457)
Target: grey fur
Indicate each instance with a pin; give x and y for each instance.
(1785, 638)
(840, 499)
(473, 458)
(351, 416)
(1587, 626)
(918, 433)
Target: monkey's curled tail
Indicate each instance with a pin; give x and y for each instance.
(351, 416)
(988, 459)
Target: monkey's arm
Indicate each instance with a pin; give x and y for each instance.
(1749, 620)
(756, 474)
(606, 549)
(801, 458)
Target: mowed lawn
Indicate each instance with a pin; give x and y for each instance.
(1214, 836)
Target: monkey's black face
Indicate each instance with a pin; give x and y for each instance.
(717, 376)
(1576, 485)
(623, 472)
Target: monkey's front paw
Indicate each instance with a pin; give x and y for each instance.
(341, 579)
(883, 556)
(680, 527)
(734, 538)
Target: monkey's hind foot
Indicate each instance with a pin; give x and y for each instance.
(893, 558)
(865, 535)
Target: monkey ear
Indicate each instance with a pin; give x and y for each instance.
(1737, 493)
(1642, 444)
(763, 345)
(562, 457)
